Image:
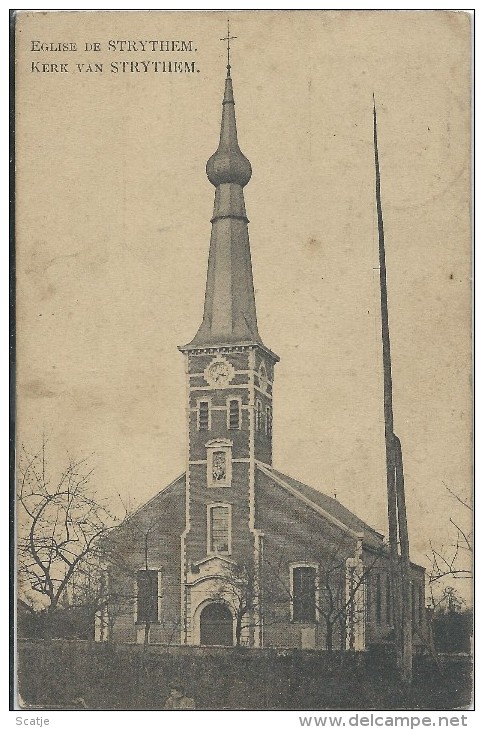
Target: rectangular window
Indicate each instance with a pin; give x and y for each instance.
(388, 601)
(268, 421)
(219, 529)
(258, 415)
(378, 598)
(234, 414)
(203, 415)
(304, 594)
(147, 596)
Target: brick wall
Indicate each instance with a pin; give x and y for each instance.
(158, 526)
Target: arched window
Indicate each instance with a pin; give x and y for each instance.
(263, 379)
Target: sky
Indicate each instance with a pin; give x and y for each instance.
(113, 229)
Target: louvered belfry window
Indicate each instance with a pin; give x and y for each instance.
(203, 415)
(234, 414)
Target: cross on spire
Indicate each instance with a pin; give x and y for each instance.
(228, 38)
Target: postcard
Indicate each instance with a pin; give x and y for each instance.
(243, 366)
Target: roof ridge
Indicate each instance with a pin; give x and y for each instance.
(317, 507)
(364, 524)
(152, 499)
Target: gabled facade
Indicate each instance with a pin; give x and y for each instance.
(234, 551)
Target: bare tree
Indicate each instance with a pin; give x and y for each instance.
(60, 522)
(240, 590)
(453, 561)
(336, 604)
(338, 587)
(449, 601)
(255, 599)
(123, 555)
(339, 582)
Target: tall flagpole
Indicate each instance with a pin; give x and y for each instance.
(405, 577)
(397, 520)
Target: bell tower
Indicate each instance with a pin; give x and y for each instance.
(229, 375)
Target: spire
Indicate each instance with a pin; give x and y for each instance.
(228, 164)
(229, 315)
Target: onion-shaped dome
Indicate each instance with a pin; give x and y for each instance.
(228, 164)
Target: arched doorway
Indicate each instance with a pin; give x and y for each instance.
(216, 625)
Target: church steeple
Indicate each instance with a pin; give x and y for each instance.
(229, 376)
(229, 316)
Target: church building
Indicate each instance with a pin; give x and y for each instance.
(233, 552)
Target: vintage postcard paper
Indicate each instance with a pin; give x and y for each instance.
(243, 266)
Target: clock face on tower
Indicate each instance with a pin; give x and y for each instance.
(219, 373)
